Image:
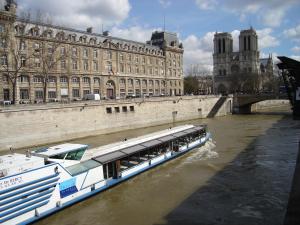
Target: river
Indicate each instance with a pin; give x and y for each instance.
(244, 179)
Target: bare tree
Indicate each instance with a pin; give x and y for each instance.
(14, 60)
(50, 56)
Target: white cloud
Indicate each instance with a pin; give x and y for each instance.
(296, 49)
(296, 57)
(135, 33)
(265, 39)
(164, 3)
(271, 12)
(80, 13)
(206, 4)
(198, 52)
(293, 33)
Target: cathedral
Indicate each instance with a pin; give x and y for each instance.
(241, 71)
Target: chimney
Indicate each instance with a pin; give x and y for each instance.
(89, 30)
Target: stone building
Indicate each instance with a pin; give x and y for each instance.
(83, 62)
(232, 69)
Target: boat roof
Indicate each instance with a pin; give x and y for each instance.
(144, 143)
(58, 149)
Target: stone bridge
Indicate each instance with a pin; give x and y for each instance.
(242, 102)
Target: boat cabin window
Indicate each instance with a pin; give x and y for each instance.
(75, 155)
(59, 156)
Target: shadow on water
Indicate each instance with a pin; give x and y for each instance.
(252, 189)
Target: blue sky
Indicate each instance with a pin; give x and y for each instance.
(277, 22)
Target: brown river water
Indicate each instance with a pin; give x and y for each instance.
(245, 179)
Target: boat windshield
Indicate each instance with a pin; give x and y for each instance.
(73, 155)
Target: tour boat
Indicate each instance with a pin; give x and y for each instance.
(46, 180)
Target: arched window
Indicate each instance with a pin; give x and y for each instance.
(97, 80)
(38, 79)
(52, 79)
(75, 79)
(86, 80)
(63, 79)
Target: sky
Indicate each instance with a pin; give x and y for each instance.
(277, 22)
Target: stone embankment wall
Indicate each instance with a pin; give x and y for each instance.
(268, 104)
(33, 125)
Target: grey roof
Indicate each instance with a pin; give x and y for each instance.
(151, 143)
(133, 149)
(167, 138)
(179, 134)
(62, 28)
(122, 153)
(110, 157)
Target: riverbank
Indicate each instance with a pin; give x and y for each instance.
(36, 125)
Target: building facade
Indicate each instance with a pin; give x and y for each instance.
(56, 63)
(232, 69)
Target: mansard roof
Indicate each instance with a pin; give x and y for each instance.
(100, 37)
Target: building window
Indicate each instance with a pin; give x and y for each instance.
(95, 66)
(62, 51)
(86, 80)
(75, 80)
(96, 91)
(137, 70)
(1, 28)
(37, 79)
(39, 94)
(122, 68)
(51, 94)
(36, 46)
(137, 59)
(75, 64)
(109, 55)
(51, 79)
(95, 53)
(4, 60)
(129, 68)
(129, 57)
(22, 45)
(131, 108)
(63, 80)
(75, 93)
(85, 52)
(5, 78)
(63, 64)
(117, 109)
(109, 67)
(124, 108)
(130, 82)
(97, 81)
(137, 82)
(108, 110)
(50, 49)
(86, 92)
(122, 81)
(2, 43)
(23, 61)
(121, 57)
(23, 79)
(37, 62)
(24, 94)
(85, 65)
(74, 52)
